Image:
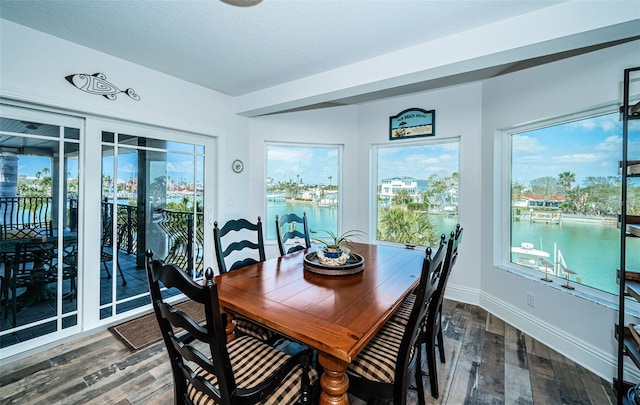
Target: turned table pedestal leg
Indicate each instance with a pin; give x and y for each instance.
(334, 382)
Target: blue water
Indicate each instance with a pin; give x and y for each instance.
(318, 218)
(325, 218)
(590, 249)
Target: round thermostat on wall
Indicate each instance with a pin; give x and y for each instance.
(237, 166)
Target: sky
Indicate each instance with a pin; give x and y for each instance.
(588, 148)
(313, 165)
(419, 161)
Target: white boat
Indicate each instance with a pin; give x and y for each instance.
(526, 255)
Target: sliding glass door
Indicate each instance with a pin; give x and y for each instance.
(39, 233)
(152, 198)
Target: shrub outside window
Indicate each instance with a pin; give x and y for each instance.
(417, 192)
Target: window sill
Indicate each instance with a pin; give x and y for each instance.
(590, 294)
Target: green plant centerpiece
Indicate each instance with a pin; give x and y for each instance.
(334, 250)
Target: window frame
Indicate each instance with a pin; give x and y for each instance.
(502, 170)
(373, 195)
(270, 222)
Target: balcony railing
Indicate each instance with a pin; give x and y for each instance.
(30, 216)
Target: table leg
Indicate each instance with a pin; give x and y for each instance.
(230, 326)
(334, 381)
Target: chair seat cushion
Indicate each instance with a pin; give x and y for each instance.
(248, 327)
(252, 362)
(402, 314)
(377, 361)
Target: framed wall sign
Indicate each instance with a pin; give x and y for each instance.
(412, 123)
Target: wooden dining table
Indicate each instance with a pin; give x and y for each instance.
(334, 314)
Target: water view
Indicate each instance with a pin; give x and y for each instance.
(321, 218)
(592, 250)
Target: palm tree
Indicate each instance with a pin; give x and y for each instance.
(566, 179)
(402, 197)
(402, 226)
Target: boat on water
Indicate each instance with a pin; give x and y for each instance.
(526, 255)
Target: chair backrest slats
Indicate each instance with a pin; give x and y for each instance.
(252, 245)
(176, 324)
(291, 222)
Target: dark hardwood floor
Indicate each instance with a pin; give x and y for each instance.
(487, 362)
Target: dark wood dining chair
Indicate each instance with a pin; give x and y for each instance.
(239, 241)
(292, 228)
(242, 242)
(432, 331)
(206, 369)
(385, 368)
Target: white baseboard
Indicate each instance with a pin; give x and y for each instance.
(594, 359)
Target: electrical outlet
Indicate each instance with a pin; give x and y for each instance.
(531, 300)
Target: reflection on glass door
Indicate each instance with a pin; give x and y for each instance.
(152, 198)
(39, 191)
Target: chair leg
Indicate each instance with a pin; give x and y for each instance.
(124, 282)
(106, 269)
(305, 396)
(441, 345)
(431, 363)
(418, 373)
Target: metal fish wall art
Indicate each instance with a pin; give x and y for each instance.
(97, 84)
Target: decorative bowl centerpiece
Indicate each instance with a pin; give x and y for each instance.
(333, 257)
(330, 256)
(333, 250)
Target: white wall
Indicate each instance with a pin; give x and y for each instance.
(458, 115)
(331, 126)
(579, 328)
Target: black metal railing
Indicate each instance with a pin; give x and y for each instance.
(182, 248)
(30, 215)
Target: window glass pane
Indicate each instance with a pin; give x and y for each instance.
(72, 133)
(303, 179)
(28, 127)
(108, 137)
(417, 192)
(565, 200)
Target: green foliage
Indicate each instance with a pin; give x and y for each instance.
(409, 227)
(418, 207)
(334, 241)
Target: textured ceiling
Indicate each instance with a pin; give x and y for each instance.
(240, 50)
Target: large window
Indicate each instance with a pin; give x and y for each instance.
(417, 192)
(565, 200)
(303, 179)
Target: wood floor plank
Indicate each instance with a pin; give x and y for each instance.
(495, 325)
(464, 386)
(487, 362)
(517, 382)
(544, 388)
(570, 386)
(492, 378)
